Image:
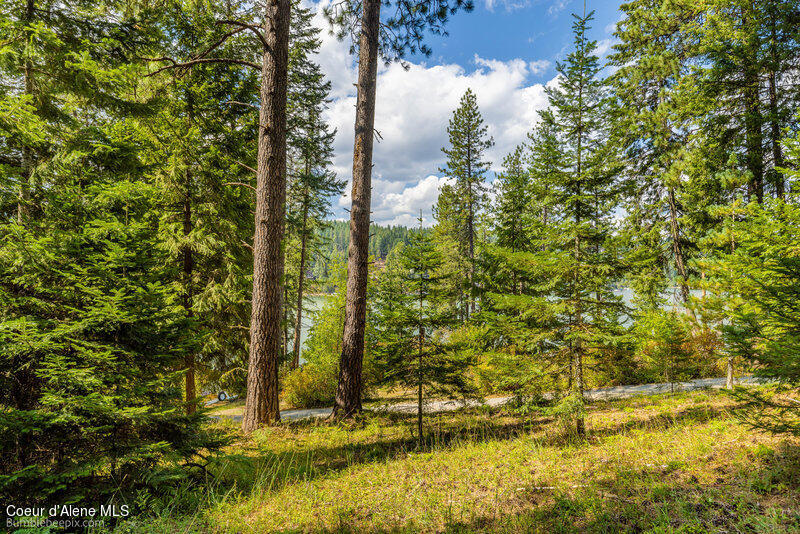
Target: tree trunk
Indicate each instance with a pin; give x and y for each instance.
(470, 230)
(261, 406)
(754, 142)
(677, 248)
(348, 390)
(24, 195)
(577, 382)
(300, 279)
(729, 374)
(188, 267)
(419, 384)
(775, 126)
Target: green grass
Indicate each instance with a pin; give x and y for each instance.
(672, 463)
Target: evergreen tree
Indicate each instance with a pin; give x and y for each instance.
(587, 194)
(412, 347)
(512, 203)
(90, 330)
(392, 37)
(656, 87)
(745, 51)
(465, 165)
(311, 183)
(200, 133)
(763, 330)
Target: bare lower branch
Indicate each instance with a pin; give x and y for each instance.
(249, 168)
(194, 62)
(252, 27)
(241, 184)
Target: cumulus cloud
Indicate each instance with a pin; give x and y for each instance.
(539, 66)
(413, 108)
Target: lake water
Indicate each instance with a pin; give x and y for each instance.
(315, 303)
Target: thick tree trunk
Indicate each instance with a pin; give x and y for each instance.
(261, 406)
(300, 279)
(348, 390)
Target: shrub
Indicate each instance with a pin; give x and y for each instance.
(310, 386)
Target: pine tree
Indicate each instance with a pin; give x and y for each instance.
(764, 325)
(587, 194)
(656, 87)
(311, 183)
(412, 348)
(202, 130)
(90, 331)
(745, 49)
(512, 203)
(399, 33)
(467, 168)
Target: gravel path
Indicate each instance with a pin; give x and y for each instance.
(611, 393)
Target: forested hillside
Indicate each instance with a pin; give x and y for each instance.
(335, 236)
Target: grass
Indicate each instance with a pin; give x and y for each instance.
(670, 463)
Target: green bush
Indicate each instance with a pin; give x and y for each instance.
(310, 386)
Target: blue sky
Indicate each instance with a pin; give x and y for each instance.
(535, 30)
(504, 51)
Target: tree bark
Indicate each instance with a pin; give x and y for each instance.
(729, 374)
(348, 391)
(775, 126)
(300, 279)
(677, 247)
(23, 200)
(262, 406)
(188, 267)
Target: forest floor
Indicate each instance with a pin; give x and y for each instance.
(666, 463)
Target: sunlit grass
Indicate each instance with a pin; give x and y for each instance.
(668, 463)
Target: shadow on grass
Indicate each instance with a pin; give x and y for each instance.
(260, 470)
(763, 496)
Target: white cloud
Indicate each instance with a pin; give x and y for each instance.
(412, 112)
(539, 66)
(509, 5)
(604, 46)
(557, 6)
